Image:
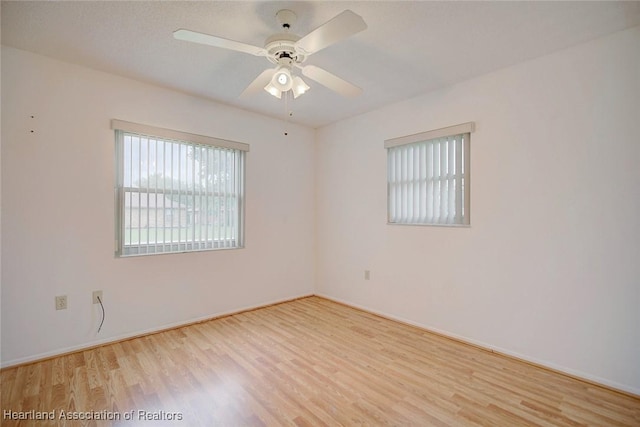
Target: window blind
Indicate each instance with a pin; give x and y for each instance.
(428, 180)
(177, 196)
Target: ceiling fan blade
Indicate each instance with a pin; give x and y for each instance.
(340, 27)
(195, 37)
(259, 83)
(331, 81)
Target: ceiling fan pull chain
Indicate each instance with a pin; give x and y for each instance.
(287, 113)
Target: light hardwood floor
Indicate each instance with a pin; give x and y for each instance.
(309, 362)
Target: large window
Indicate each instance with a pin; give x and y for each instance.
(177, 192)
(428, 177)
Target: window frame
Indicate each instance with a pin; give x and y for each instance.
(237, 150)
(424, 138)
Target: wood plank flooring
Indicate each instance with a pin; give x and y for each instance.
(309, 362)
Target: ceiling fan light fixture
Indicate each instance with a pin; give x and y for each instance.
(299, 87)
(282, 79)
(273, 90)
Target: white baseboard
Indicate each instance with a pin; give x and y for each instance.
(593, 379)
(485, 346)
(111, 340)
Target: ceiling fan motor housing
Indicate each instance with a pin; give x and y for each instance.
(283, 45)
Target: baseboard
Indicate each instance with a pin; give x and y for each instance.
(577, 375)
(580, 376)
(95, 344)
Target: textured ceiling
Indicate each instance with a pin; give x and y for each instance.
(409, 48)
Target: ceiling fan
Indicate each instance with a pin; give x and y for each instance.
(288, 51)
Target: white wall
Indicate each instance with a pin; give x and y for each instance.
(548, 271)
(57, 217)
(550, 268)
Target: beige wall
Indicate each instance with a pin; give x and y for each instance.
(550, 268)
(58, 212)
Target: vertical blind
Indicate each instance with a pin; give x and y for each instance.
(427, 181)
(177, 196)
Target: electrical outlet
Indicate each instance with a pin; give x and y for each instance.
(61, 302)
(367, 275)
(96, 295)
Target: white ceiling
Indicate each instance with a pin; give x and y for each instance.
(409, 48)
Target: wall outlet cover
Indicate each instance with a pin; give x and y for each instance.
(96, 295)
(61, 302)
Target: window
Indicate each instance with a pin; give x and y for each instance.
(177, 192)
(428, 177)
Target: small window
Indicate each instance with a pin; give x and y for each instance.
(177, 192)
(428, 177)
